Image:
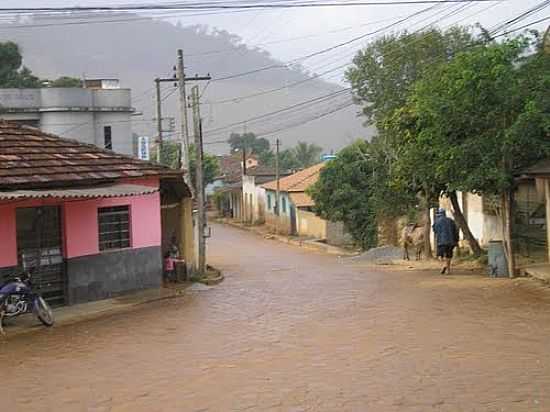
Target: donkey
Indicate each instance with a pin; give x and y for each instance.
(412, 235)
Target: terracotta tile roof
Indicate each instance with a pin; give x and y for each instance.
(301, 199)
(30, 158)
(297, 182)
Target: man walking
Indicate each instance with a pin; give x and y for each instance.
(446, 235)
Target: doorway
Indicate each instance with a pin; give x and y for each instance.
(39, 251)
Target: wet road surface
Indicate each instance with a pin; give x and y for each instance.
(292, 330)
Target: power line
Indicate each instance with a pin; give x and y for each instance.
(257, 94)
(238, 49)
(221, 129)
(322, 51)
(226, 6)
(263, 116)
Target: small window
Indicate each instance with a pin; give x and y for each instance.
(114, 227)
(269, 202)
(284, 204)
(108, 137)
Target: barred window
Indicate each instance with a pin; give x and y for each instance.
(114, 227)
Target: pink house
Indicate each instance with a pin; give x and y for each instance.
(85, 221)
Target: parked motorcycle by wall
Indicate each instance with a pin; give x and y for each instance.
(17, 297)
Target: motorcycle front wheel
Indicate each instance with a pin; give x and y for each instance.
(43, 311)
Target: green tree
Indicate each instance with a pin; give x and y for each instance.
(170, 155)
(382, 78)
(12, 73)
(343, 191)
(253, 144)
(288, 160)
(66, 81)
(307, 154)
(485, 116)
(383, 73)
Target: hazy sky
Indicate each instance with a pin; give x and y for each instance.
(272, 29)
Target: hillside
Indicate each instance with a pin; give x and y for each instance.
(138, 51)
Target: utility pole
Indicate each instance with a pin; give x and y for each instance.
(159, 122)
(186, 212)
(180, 75)
(277, 143)
(199, 180)
(244, 207)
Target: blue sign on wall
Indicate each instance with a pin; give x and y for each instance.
(326, 157)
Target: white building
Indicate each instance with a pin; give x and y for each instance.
(99, 114)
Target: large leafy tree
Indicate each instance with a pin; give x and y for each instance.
(484, 116)
(383, 73)
(382, 79)
(12, 72)
(342, 193)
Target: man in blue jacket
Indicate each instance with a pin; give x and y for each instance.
(446, 235)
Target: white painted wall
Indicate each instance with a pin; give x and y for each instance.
(256, 200)
(484, 226)
(75, 113)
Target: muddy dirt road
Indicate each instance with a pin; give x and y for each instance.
(292, 330)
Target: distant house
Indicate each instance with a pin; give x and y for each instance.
(295, 215)
(228, 184)
(99, 113)
(254, 195)
(87, 222)
(292, 213)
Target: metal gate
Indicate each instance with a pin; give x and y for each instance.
(529, 227)
(39, 247)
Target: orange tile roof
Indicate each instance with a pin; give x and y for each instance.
(297, 182)
(301, 199)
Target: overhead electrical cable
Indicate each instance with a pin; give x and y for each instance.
(229, 6)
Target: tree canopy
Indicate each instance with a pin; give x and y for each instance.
(12, 72)
(170, 156)
(383, 73)
(484, 116)
(65, 81)
(249, 142)
(454, 113)
(343, 193)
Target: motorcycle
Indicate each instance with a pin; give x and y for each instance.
(17, 297)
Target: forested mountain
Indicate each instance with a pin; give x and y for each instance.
(137, 50)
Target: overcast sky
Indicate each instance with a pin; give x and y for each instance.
(323, 27)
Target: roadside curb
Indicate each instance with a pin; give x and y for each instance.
(306, 244)
(219, 278)
(118, 308)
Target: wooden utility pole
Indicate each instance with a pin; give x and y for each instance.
(277, 214)
(180, 75)
(243, 196)
(159, 122)
(199, 179)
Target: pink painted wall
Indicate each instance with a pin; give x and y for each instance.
(80, 226)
